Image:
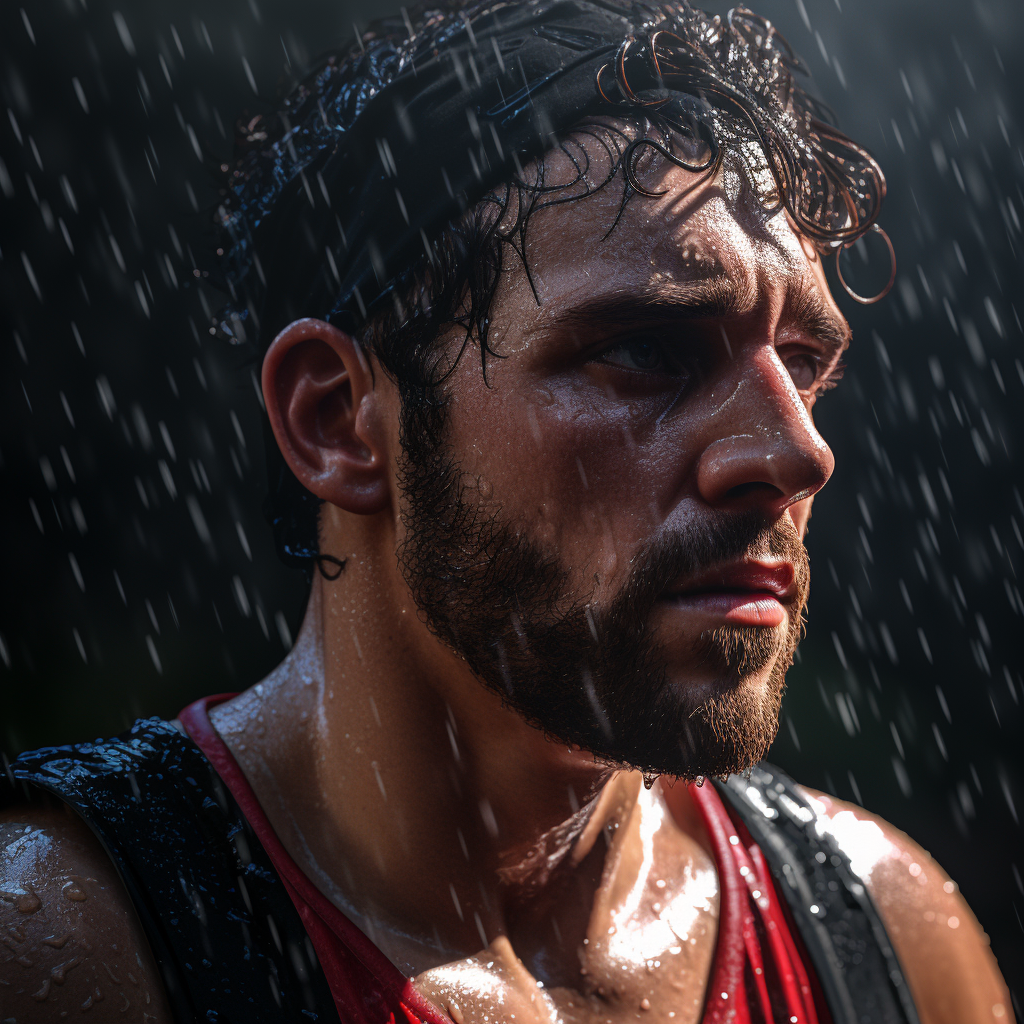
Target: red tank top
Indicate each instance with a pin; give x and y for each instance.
(757, 977)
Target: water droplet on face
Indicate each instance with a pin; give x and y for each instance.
(72, 891)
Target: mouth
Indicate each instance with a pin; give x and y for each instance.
(747, 593)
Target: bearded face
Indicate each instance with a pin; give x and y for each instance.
(592, 672)
(607, 526)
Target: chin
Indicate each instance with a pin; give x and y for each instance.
(726, 658)
(693, 685)
(714, 719)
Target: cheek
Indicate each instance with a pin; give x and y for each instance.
(588, 474)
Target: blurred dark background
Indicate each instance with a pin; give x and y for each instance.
(138, 573)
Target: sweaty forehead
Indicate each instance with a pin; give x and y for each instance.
(696, 231)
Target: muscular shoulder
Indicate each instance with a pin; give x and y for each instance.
(944, 953)
(69, 937)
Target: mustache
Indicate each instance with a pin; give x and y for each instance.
(692, 551)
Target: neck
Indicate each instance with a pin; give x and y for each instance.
(424, 809)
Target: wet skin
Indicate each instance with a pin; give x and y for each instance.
(667, 374)
(70, 943)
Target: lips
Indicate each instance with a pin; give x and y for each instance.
(747, 593)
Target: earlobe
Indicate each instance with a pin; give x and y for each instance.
(318, 389)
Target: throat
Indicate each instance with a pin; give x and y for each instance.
(626, 926)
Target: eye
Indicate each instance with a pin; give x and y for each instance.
(646, 354)
(804, 369)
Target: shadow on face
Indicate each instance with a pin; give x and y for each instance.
(610, 527)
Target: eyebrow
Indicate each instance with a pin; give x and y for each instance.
(702, 300)
(712, 298)
(807, 311)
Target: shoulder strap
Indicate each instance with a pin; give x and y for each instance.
(841, 930)
(230, 943)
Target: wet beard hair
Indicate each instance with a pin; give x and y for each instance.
(593, 678)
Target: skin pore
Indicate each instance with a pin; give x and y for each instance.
(657, 383)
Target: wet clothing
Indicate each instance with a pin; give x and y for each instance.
(242, 935)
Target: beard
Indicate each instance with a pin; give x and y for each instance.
(587, 676)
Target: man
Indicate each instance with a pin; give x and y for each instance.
(549, 316)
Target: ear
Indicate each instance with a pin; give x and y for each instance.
(325, 415)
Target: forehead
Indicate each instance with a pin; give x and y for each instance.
(711, 231)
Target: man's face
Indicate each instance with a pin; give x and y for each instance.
(610, 530)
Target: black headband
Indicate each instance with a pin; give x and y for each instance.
(419, 127)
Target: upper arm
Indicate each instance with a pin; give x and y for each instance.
(940, 945)
(69, 936)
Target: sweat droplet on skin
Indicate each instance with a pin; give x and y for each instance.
(531, 416)
(27, 904)
(73, 891)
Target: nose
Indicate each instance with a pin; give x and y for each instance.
(764, 451)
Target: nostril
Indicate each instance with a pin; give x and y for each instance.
(760, 488)
(769, 471)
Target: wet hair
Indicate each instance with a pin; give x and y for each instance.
(680, 84)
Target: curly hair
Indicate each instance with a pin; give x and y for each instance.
(678, 82)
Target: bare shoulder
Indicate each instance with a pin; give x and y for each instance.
(69, 936)
(940, 944)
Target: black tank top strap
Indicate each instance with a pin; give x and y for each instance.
(856, 966)
(227, 937)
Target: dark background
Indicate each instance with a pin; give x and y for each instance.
(138, 573)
